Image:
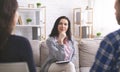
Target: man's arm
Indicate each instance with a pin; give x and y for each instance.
(104, 58)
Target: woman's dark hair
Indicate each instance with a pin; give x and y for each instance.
(7, 13)
(55, 32)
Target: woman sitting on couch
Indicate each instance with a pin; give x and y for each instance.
(61, 48)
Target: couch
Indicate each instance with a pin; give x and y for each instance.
(87, 51)
(40, 53)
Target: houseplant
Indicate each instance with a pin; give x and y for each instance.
(28, 20)
(98, 34)
(38, 4)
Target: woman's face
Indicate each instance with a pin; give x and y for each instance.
(63, 25)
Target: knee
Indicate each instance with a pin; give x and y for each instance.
(71, 65)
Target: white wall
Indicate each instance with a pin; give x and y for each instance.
(26, 2)
(53, 10)
(104, 18)
(56, 8)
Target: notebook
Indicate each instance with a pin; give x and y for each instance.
(14, 67)
(59, 62)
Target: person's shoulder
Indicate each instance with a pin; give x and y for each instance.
(50, 38)
(18, 38)
(72, 38)
(115, 35)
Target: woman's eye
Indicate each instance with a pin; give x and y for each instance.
(66, 24)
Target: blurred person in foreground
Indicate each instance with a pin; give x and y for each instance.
(13, 48)
(108, 55)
